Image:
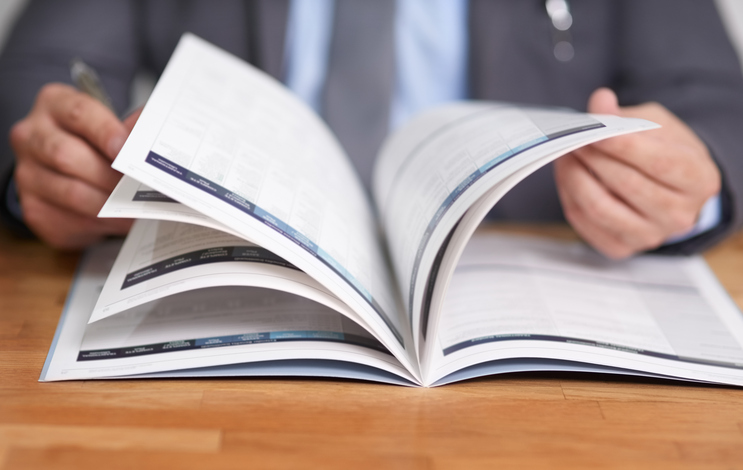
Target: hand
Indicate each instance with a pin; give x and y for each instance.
(64, 148)
(631, 193)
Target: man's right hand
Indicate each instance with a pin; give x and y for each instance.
(64, 148)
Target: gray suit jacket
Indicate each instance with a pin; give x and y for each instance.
(671, 51)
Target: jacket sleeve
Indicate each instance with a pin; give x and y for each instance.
(47, 36)
(676, 52)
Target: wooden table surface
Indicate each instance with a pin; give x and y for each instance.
(514, 421)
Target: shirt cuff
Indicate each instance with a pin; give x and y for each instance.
(709, 217)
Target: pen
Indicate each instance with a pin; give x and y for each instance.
(87, 81)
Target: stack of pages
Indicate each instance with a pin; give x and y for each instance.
(258, 252)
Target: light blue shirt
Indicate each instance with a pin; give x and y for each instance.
(431, 43)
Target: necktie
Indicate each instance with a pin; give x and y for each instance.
(360, 77)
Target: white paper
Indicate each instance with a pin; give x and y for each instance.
(161, 258)
(224, 139)
(514, 297)
(134, 200)
(176, 320)
(432, 170)
(239, 153)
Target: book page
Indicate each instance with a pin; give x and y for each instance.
(230, 142)
(219, 317)
(522, 297)
(432, 170)
(161, 258)
(134, 200)
(212, 323)
(221, 331)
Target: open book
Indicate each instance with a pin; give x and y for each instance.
(259, 252)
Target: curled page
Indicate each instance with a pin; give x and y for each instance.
(432, 170)
(134, 200)
(161, 258)
(230, 142)
(219, 331)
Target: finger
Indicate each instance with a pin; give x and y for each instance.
(132, 119)
(585, 199)
(600, 239)
(603, 101)
(673, 210)
(66, 154)
(82, 115)
(670, 154)
(674, 165)
(60, 190)
(66, 230)
(657, 113)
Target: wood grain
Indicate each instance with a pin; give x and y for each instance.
(514, 421)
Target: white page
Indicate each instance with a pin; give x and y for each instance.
(431, 171)
(162, 258)
(514, 297)
(505, 366)
(223, 138)
(168, 320)
(288, 368)
(208, 316)
(134, 200)
(207, 324)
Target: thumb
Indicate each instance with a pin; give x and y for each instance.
(132, 118)
(603, 101)
(115, 144)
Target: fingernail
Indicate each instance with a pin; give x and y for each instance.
(114, 145)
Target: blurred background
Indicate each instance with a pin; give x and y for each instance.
(730, 10)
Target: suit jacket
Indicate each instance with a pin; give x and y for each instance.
(674, 52)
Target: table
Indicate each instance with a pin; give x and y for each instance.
(516, 421)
